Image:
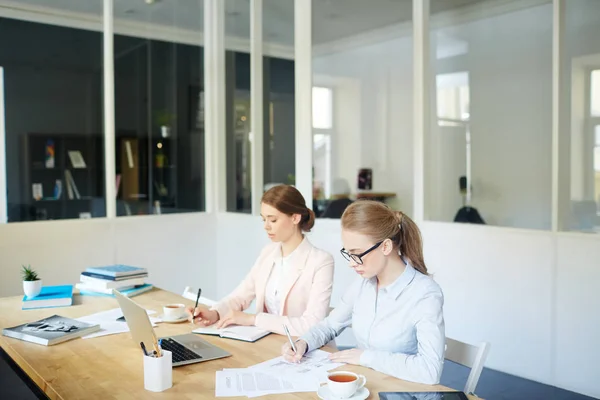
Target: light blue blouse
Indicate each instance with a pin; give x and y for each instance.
(400, 327)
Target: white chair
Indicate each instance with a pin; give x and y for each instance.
(190, 293)
(470, 356)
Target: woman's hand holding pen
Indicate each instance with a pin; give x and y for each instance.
(288, 353)
(202, 315)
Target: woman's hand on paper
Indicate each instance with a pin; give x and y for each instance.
(351, 356)
(237, 318)
(288, 353)
(202, 315)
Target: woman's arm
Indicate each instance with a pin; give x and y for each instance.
(426, 365)
(339, 319)
(316, 308)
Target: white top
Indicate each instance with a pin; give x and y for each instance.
(273, 293)
(400, 327)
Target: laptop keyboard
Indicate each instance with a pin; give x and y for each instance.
(180, 352)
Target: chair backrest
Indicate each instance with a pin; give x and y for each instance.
(470, 356)
(190, 293)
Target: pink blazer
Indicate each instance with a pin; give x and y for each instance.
(307, 289)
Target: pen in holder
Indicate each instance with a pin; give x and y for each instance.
(158, 372)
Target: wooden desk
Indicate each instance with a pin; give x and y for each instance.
(111, 367)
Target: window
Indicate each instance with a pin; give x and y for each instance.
(452, 98)
(159, 118)
(597, 167)
(492, 119)
(595, 93)
(322, 122)
(322, 108)
(53, 115)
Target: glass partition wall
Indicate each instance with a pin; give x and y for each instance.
(507, 130)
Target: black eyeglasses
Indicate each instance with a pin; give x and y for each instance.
(357, 258)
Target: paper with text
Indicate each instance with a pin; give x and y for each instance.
(250, 383)
(313, 365)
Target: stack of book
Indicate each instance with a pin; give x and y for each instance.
(100, 281)
(50, 296)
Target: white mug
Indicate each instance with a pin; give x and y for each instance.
(344, 384)
(173, 312)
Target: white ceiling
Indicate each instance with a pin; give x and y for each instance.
(332, 19)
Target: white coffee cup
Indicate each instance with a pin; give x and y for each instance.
(173, 312)
(344, 384)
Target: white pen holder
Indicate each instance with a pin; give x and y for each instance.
(158, 372)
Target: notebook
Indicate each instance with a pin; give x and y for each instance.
(237, 332)
(51, 330)
(50, 296)
(117, 270)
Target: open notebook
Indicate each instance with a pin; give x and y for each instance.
(245, 333)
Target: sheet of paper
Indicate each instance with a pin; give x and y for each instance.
(313, 365)
(250, 383)
(109, 324)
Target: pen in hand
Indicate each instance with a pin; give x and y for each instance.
(194, 310)
(287, 332)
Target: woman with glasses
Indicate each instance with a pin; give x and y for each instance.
(291, 280)
(394, 308)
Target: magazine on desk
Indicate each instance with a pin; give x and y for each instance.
(50, 331)
(237, 332)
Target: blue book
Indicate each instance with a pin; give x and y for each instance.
(117, 270)
(128, 292)
(50, 296)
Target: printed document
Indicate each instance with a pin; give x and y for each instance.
(250, 383)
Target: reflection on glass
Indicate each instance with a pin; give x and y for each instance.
(597, 168)
(581, 210)
(362, 103)
(159, 117)
(595, 93)
(494, 109)
(53, 114)
(279, 93)
(452, 98)
(322, 108)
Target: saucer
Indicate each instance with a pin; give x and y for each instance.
(325, 394)
(172, 321)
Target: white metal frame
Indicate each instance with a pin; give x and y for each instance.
(421, 103)
(303, 100)
(558, 107)
(3, 184)
(214, 86)
(256, 103)
(109, 111)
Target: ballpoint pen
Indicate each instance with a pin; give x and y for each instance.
(194, 310)
(287, 332)
(143, 346)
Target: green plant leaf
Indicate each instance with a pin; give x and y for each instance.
(29, 274)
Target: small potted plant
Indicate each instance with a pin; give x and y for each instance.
(32, 284)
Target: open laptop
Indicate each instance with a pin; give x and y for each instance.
(186, 349)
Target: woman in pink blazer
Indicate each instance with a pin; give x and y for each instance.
(291, 280)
